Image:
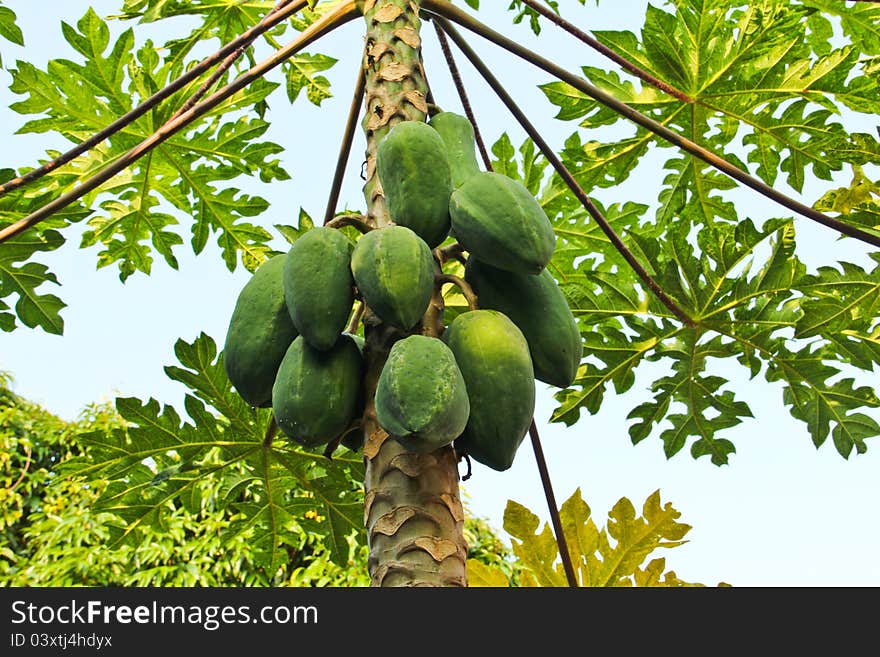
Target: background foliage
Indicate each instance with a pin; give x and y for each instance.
(775, 86)
(57, 529)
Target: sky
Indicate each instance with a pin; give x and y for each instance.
(781, 513)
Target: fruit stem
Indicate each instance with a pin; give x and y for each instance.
(450, 252)
(355, 220)
(356, 318)
(466, 290)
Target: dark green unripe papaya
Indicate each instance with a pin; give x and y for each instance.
(259, 333)
(539, 309)
(316, 393)
(318, 285)
(421, 399)
(494, 361)
(394, 271)
(414, 172)
(457, 133)
(498, 221)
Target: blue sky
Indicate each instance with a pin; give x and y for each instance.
(781, 513)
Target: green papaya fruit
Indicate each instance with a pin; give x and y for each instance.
(457, 133)
(539, 309)
(318, 285)
(493, 357)
(498, 221)
(394, 271)
(414, 172)
(259, 333)
(421, 399)
(317, 393)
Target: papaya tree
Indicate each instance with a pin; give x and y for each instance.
(409, 335)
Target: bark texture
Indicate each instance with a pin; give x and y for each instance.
(412, 509)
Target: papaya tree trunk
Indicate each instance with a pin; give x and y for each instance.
(412, 508)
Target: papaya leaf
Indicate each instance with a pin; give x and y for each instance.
(860, 22)
(754, 74)
(839, 299)
(482, 575)
(9, 30)
(203, 374)
(188, 176)
(708, 408)
(536, 551)
(20, 275)
(33, 308)
(293, 233)
(752, 302)
(223, 20)
(523, 11)
(301, 72)
(275, 493)
(598, 164)
(613, 359)
(612, 556)
(334, 492)
(862, 194)
(821, 403)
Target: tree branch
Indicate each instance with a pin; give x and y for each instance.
(231, 52)
(342, 14)
(442, 9)
(24, 469)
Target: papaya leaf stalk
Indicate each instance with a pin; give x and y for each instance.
(345, 147)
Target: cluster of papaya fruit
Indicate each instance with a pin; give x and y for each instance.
(287, 346)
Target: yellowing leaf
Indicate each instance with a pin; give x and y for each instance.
(612, 556)
(482, 575)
